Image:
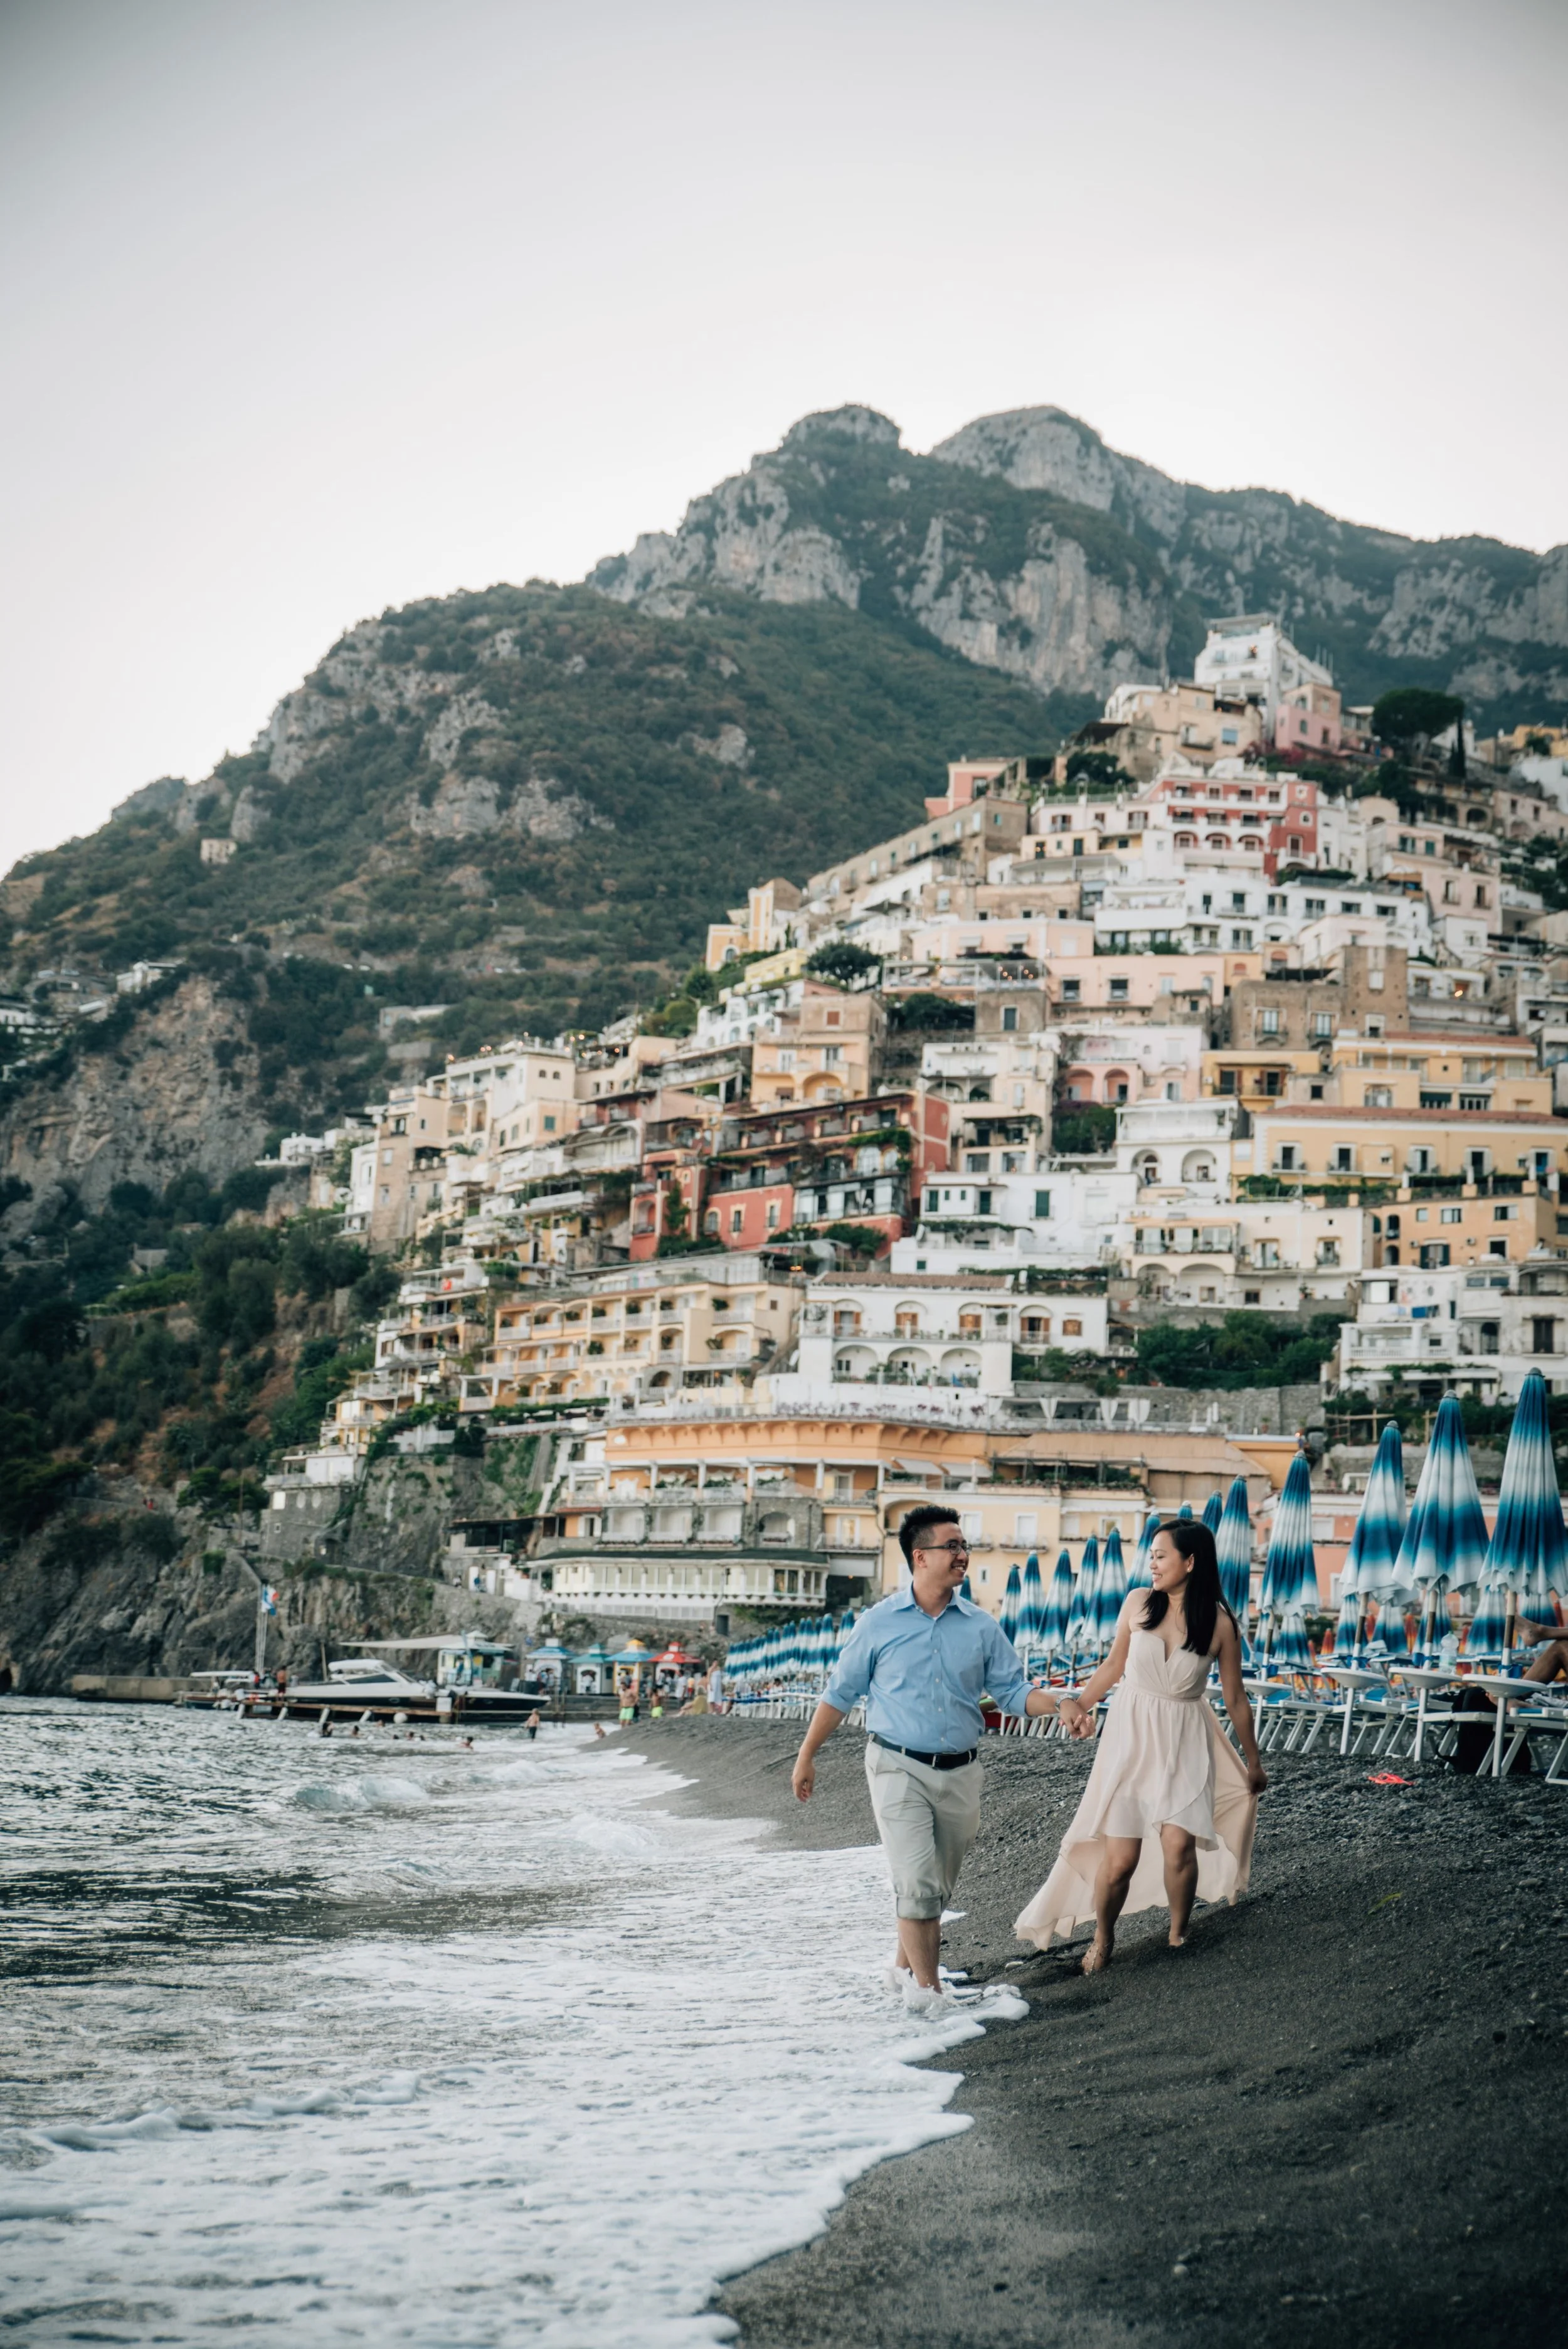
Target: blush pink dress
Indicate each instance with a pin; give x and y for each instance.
(1162, 1759)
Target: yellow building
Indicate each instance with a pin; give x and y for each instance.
(1298, 1140)
(824, 1049)
(1465, 1072)
(645, 1329)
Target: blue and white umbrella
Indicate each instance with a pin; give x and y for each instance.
(1347, 1629)
(1058, 1608)
(1529, 1551)
(1185, 1510)
(1212, 1509)
(1142, 1576)
(1012, 1604)
(1485, 1634)
(1374, 1566)
(1110, 1590)
(1290, 1576)
(1233, 1550)
(1030, 1636)
(1080, 1623)
(1444, 1544)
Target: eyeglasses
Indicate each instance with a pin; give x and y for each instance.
(945, 1549)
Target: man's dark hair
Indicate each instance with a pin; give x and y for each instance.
(919, 1521)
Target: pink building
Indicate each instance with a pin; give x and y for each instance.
(1307, 720)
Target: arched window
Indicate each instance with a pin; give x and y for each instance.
(1149, 1168)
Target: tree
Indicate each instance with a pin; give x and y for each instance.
(843, 962)
(1409, 717)
(923, 1009)
(1096, 767)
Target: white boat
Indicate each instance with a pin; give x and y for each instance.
(362, 1680)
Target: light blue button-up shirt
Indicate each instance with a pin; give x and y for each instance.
(922, 1675)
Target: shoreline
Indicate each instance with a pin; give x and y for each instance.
(1338, 2111)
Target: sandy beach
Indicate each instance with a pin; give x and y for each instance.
(1336, 2116)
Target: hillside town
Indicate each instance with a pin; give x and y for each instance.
(1230, 1006)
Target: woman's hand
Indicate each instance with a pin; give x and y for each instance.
(1080, 1724)
(1257, 1777)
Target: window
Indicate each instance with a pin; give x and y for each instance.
(1042, 1204)
(1009, 1018)
(1323, 1023)
(1071, 989)
(737, 1221)
(1503, 1214)
(1343, 1159)
(1543, 1335)
(1268, 1021)
(1071, 1328)
(1025, 1526)
(1252, 1296)
(1328, 1252)
(1350, 904)
(1434, 1254)
(1119, 990)
(1289, 1159)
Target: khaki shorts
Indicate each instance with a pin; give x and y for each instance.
(927, 1820)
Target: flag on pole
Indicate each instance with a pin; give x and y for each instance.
(269, 1599)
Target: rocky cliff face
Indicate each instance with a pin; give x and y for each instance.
(174, 1093)
(1039, 574)
(841, 512)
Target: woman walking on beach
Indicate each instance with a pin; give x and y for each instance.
(1163, 1766)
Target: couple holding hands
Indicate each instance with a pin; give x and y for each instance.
(1170, 1808)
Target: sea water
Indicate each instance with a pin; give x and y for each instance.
(366, 2040)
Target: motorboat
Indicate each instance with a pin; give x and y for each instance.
(364, 1681)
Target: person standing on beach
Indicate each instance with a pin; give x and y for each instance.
(1171, 1806)
(922, 1659)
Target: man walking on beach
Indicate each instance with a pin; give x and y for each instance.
(922, 1659)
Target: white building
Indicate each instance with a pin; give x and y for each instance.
(1250, 659)
(1479, 1331)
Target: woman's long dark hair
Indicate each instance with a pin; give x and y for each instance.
(1204, 1598)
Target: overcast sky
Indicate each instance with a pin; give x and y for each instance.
(313, 308)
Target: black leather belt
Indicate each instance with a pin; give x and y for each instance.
(932, 1761)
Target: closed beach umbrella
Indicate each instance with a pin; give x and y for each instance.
(1444, 1544)
(1487, 1631)
(1233, 1548)
(1374, 1567)
(1080, 1623)
(1347, 1630)
(1110, 1590)
(1529, 1552)
(1012, 1602)
(1290, 1576)
(1058, 1610)
(1031, 1631)
(1141, 1576)
(1185, 1510)
(1212, 1509)
(1288, 1648)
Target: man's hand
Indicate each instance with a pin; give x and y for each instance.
(804, 1780)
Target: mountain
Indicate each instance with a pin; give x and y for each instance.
(1026, 545)
(525, 805)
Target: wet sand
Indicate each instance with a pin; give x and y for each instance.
(1338, 2116)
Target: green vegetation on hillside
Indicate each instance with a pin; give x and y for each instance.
(614, 829)
(1241, 1350)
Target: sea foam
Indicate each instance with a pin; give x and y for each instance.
(519, 2059)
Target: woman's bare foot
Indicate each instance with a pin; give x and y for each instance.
(1177, 1942)
(1096, 1957)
